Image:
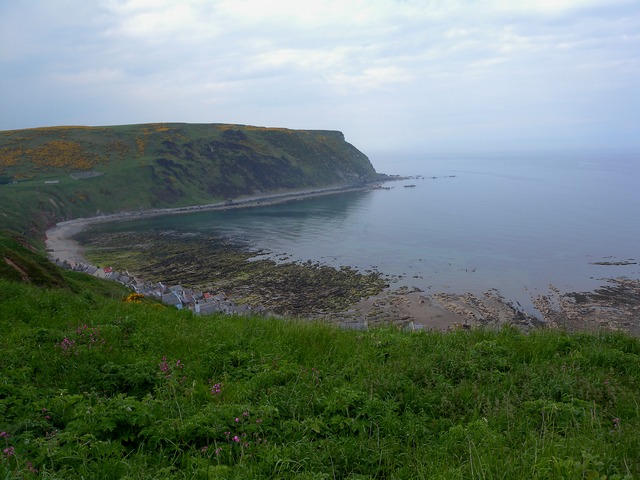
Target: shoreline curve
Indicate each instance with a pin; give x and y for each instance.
(60, 245)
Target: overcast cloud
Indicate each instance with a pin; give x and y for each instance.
(393, 75)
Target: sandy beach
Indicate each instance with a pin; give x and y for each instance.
(61, 245)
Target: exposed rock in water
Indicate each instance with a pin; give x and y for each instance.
(413, 310)
(615, 306)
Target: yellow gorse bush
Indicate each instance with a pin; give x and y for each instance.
(120, 148)
(134, 298)
(10, 156)
(141, 143)
(62, 154)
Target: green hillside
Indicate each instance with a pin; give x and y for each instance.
(58, 173)
(101, 388)
(21, 262)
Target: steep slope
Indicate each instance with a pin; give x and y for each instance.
(21, 262)
(57, 173)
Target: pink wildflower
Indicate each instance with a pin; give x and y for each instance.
(67, 344)
(164, 367)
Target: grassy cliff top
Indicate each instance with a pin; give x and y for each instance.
(96, 387)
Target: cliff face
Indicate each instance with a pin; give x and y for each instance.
(66, 172)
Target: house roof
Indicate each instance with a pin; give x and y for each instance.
(171, 299)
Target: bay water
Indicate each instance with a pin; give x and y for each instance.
(513, 223)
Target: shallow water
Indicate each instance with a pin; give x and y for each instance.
(516, 224)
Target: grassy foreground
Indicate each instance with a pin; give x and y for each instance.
(93, 387)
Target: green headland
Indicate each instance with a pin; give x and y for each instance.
(59, 173)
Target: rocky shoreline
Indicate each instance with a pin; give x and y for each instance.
(205, 262)
(314, 291)
(304, 290)
(615, 306)
(412, 309)
(199, 302)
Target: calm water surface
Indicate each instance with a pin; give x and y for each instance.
(512, 223)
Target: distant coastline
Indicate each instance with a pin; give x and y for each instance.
(60, 244)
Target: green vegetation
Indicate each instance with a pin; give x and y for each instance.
(94, 386)
(70, 172)
(21, 262)
(98, 383)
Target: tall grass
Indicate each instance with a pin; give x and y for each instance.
(98, 388)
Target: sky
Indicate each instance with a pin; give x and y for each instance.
(395, 76)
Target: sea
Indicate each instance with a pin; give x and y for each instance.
(512, 223)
